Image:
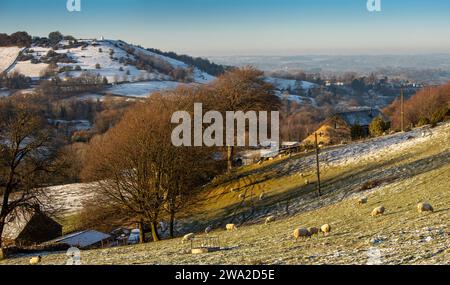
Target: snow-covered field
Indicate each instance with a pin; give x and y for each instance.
(68, 199)
(7, 56)
(297, 99)
(29, 69)
(382, 147)
(287, 84)
(141, 89)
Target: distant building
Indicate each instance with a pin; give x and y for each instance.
(340, 127)
(84, 240)
(28, 228)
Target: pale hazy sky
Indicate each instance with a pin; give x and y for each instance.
(225, 27)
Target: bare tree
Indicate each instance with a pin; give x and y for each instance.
(244, 90)
(26, 160)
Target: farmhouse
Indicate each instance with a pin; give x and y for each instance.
(344, 127)
(27, 228)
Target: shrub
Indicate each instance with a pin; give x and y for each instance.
(423, 122)
(378, 127)
(439, 116)
(55, 37)
(97, 66)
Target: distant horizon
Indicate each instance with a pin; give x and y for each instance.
(268, 54)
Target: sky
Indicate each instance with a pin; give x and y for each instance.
(244, 27)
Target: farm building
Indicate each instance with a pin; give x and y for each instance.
(27, 228)
(250, 157)
(341, 127)
(84, 240)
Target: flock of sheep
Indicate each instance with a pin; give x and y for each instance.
(309, 232)
(298, 233)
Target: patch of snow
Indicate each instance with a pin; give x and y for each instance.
(8, 56)
(29, 69)
(69, 199)
(141, 89)
(5, 93)
(289, 84)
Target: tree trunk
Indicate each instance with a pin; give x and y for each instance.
(171, 225)
(141, 232)
(230, 154)
(2, 253)
(154, 229)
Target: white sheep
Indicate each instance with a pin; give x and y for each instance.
(424, 207)
(35, 260)
(231, 227)
(306, 182)
(301, 233)
(270, 219)
(208, 230)
(379, 211)
(188, 237)
(242, 196)
(325, 229)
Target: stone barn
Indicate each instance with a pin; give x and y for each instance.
(340, 128)
(28, 228)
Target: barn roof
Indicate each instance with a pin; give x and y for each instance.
(362, 118)
(18, 221)
(82, 239)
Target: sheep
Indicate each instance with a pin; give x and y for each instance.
(270, 219)
(313, 231)
(301, 233)
(306, 182)
(208, 230)
(231, 227)
(188, 237)
(35, 260)
(325, 229)
(424, 207)
(363, 201)
(378, 211)
(242, 196)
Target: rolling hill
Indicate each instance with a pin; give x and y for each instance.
(396, 171)
(131, 70)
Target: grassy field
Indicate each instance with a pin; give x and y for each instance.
(418, 171)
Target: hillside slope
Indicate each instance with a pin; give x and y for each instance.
(404, 169)
(8, 56)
